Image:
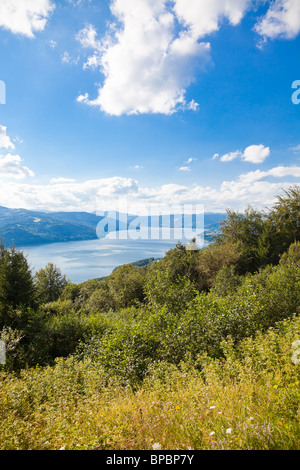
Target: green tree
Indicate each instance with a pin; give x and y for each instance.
(212, 259)
(179, 262)
(248, 232)
(126, 286)
(16, 282)
(49, 283)
(285, 220)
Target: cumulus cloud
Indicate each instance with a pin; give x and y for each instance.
(282, 20)
(258, 188)
(252, 154)
(256, 154)
(11, 167)
(25, 17)
(153, 50)
(204, 17)
(146, 65)
(5, 141)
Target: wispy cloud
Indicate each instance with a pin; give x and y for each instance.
(11, 167)
(190, 160)
(184, 168)
(296, 149)
(67, 59)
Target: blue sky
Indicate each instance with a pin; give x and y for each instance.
(162, 102)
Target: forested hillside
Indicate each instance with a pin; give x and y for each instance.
(196, 350)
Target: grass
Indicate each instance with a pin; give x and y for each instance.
(250, 400)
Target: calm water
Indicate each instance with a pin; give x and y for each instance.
(83, 260)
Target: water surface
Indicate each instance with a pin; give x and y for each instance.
(89, 259)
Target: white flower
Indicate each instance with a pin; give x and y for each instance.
(212, 433)
(156, 446)
(228, 431)
(211, 407)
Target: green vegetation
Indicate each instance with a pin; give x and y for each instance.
(191, 351)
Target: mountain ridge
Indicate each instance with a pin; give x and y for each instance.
(23, 227)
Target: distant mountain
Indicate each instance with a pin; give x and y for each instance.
(23, 227)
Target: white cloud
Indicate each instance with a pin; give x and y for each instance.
(83, 98)
(5, 141)
(193, 106)
(258, 188)
(62, 180)
(151, 53)
(184, 168)
(296, 149)
(67, 59)
(276, 172)
(146, 66)
(256, 154)
(228, 157)
(282, 20)
(11, 167)
(25, 16)
(252, 154)
(88, 37)
(190, 160)
(204, 17)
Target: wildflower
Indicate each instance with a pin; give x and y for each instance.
(228, 431)
(212, 433)
(156, 446)
(62, 448)
(177, 407)
(211, 407)
(251, 418)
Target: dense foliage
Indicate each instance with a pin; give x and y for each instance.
(203, 320)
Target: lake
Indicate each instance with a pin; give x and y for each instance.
(89, 259)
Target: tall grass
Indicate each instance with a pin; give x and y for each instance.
(249, 400)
